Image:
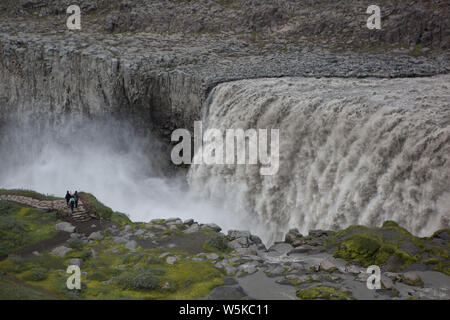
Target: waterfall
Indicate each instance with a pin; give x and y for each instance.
(352, 151)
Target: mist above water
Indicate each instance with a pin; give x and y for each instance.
(130, 174)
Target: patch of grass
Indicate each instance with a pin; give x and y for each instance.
(141, 279)
(10, 290)
(323, 292)
(20, 226)
(28, 193)
(75, 243)
(98, 208)
(36, 274)
(217, 244)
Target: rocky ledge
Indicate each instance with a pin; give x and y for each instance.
(175, 259)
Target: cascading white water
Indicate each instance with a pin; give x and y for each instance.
(352, 151)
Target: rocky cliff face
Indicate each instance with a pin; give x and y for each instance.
(49, 84)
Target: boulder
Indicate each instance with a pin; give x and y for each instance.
(327, 265)
(291, 236)
(188, 222)
(411, 278)
(65, 226)
(211, 226)
(386, 282)
(281, 247)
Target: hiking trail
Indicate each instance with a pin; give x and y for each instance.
(80, 214)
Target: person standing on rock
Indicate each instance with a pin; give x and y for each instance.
(75, 197)
(68, 197)
(72, 203)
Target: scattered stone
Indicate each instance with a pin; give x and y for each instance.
(65, 226)
(352, 269)
(36, 253)
(164, 255)
(318, 233)
(193, 228)
(211, 226)
(60, 251)
(233, 292)
(212, 256)
(239, 243)
(363, 276)
(246, 251)
(234, 234)
(131, 245)
(327, 265)
(75, 262)
(281, 247)
(98, 235)
(386, 282)
(301, 249)
(411, 278)
(122, 240)
(127, 228)
(292, 235)
(172, 259)
(275, 271)
(139, 232)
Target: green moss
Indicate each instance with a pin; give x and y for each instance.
(322, 292)
(431, 261)
(360, 247)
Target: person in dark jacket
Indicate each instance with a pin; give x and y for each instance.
(75, 197)
(72, 204)
(68, 197)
